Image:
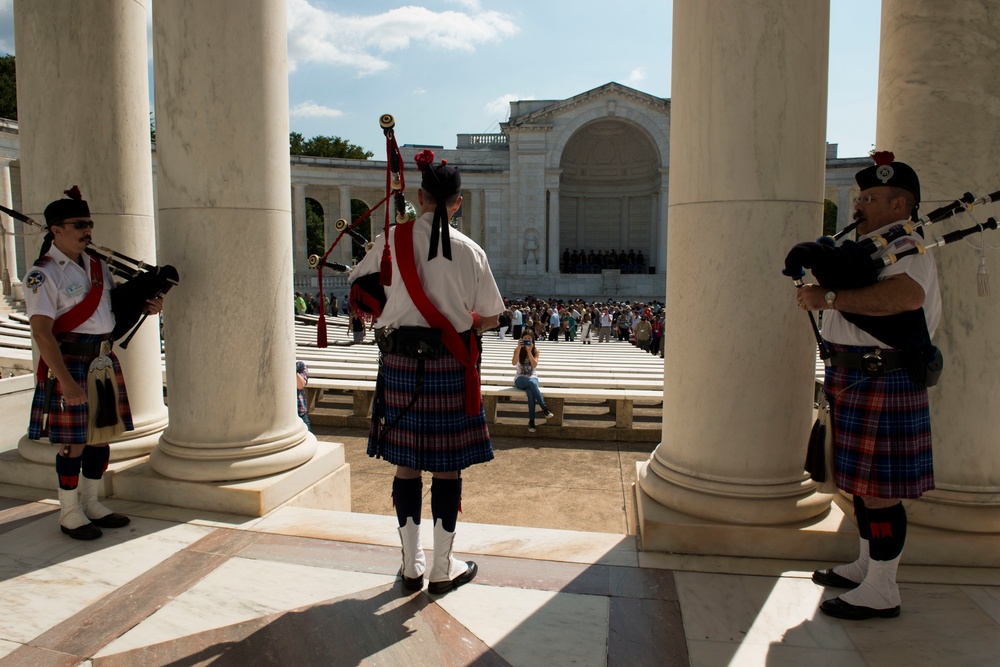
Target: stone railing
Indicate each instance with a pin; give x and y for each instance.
(488, 141)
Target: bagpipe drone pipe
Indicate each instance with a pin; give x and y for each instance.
(856, 264)
(141, 281)
(367, 295)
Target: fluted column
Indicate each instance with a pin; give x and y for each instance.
(554, 250)
(300, 245)
(660, 249)
(83, 104)
(342, 253)
(747, 156)
(223, 180)
(939, 111)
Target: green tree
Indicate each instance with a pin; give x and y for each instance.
(829, 218)
(315, 229)
(320, 146)
(8, 88)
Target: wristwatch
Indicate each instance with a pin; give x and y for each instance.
(830, 297)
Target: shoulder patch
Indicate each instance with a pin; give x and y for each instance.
(34, 280)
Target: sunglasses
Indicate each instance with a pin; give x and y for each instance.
(79, 224)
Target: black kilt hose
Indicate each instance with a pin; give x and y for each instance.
(434, 434)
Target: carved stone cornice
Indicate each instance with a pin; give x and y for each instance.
(543, 117)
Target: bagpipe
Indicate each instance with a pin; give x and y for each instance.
(845, 264)
(140, 281)
(368, 292)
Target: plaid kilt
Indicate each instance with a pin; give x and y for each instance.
(68, 425)
(882, 432)
(434, 435)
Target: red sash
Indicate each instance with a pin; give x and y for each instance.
(79, 313)
(467, 356)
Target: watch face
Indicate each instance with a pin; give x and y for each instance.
(830, 296)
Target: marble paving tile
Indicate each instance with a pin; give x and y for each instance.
(719, 654)
(987, 597)
(48, 577)
(939, 625)
(240, 590)
(128, 605)
(321, 553)
(536, 543)
(127, 547)
(527, 627)
(32, 656)
(541, 575)
(756, 610)
(632, 582)
(376, 627)
(646, 632)
(13, 518)
(7, 647)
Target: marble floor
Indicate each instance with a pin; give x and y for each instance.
(310, 587)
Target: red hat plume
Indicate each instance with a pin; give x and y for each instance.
(883, 157)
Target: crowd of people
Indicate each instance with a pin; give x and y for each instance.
(590, 261)
(640, 323)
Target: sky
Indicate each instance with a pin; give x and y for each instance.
(448, 67)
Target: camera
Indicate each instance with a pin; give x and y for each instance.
(526, 343)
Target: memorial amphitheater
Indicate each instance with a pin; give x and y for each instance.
(661, 517)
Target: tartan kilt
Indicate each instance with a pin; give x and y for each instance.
(435, 434)
(68, 425)
(882, 432)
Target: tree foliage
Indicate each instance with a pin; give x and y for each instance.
(320, 146)
(829, 218)
(315, 229)
(8, 88)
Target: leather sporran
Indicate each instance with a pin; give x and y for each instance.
(819, 453)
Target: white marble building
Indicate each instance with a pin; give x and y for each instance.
(588, 172)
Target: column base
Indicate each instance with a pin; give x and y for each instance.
(831, 537)
(956, 511)
(323, 482)
(132, 444)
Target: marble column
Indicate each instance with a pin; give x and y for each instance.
(83, 102)
(8, 260)
(554, 247)
(746, 183)
(224, 222)
(342, 253)
(939, 111)
(300, 246)
(623, 228)
(845, 207)
(658, 257)
(475, 205)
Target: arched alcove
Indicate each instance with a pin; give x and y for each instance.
(608, 190)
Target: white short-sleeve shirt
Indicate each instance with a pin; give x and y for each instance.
(921, 268)
(54, 287)
(458, 287)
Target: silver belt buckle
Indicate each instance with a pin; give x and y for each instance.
(872, 363)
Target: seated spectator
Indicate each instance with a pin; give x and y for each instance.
(525, 361)
(301, 380)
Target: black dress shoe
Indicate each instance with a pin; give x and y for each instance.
(87, 531)
(438, 587)
(833, 580)
(412, 583)
(113, 520)
(852, 612)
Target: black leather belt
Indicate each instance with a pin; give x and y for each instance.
(77, 349)
(414, 342)
(875, 362)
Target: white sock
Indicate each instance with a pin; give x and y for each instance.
(879, 589)
(857, 570)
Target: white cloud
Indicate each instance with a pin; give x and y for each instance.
(636, 76)
(310, 109)
(419, 91)
(363, 43)
(500, 106)
(6, 27)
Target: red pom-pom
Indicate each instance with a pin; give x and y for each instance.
(883, 157)
(444, 162)
(74, 193)
(424, 159)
